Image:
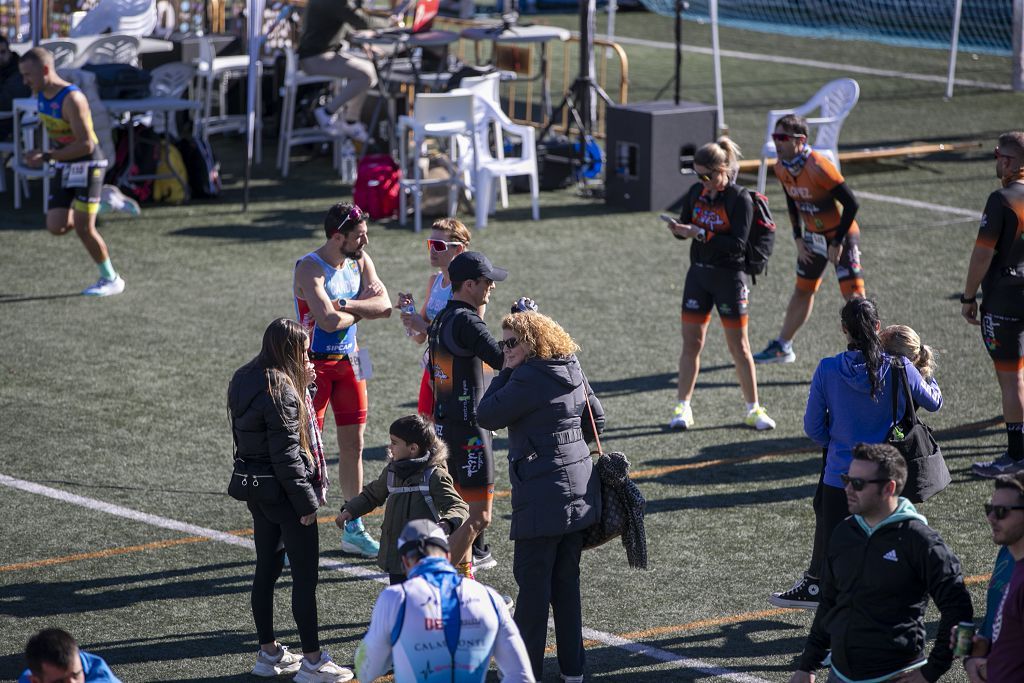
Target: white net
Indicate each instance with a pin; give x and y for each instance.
(985, 26)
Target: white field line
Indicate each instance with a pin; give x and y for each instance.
(354, 570)
(814, 63)
(915, 204)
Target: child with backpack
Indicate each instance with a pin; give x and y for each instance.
(415, 484)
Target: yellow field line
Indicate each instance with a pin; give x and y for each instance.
(109, 552)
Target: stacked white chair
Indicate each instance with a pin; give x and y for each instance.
(64, 52)
(129, 17)
(112, 49)
(26, 117)
(836, 100)
(215, 73)
(290, 136)
(445, 117)
(491, 169)
(486, 90)
(170, 80)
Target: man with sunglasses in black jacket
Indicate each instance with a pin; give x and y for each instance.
(882, 565)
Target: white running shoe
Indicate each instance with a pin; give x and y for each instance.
(682, 417)
(759, 420)
(112, 200)
(105, 287)
(327, 121)
(285, 663)
(324, 671)
(354, 130)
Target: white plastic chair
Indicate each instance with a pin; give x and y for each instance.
(26, 119)
(289, 136)
(486, 89)
(444, 117)
(490, 168)
(113, 49)
(64, 52)
(170, 80)
(836, 100)
(129, 17)
(216, 73)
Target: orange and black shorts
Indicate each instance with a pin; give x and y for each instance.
(1004, 338)
(336, 384)
(470, 457)
(848, 270)
(721, 288)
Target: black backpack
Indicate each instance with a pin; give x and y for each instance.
(761, 240)
(203, 168)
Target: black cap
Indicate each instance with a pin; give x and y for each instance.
(418, 533)
(469, 265)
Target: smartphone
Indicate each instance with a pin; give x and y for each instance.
(667, 218)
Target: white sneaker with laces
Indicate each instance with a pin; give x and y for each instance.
(324, 671)
(327, 121)
(105, 287)
(759, 420)
(285, 663)
(682, 417)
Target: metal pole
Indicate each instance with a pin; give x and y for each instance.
(255, 47)
(587, 98)
(716, 52)
(953, 42)
(613, 7)
(1018, 45)
(679, 47)
(35, 18)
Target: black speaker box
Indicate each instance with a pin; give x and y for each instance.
(650, 147)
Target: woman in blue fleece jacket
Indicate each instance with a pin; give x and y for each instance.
(850, 402)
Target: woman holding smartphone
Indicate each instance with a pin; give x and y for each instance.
(716, 215)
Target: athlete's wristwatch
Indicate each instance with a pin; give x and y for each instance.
(965, 300)
(342, 303)
(47, 157)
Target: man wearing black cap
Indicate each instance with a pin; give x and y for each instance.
(436, 626)
(459, 345)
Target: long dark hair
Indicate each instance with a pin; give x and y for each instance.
(414, 429)
(283, 358)
(860, 318)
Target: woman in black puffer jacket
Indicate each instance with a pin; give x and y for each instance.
(541, 395)
(276, 436)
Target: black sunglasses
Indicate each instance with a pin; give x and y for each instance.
(858, 484)
(1000, 511)
(508, 344)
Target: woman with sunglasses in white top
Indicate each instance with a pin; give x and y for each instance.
(448, 238)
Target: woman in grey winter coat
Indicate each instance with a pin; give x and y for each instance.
(541, 395)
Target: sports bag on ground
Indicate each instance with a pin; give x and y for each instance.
(376, 189)
(927, 473)
(203, 168)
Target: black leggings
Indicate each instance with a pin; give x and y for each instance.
(273, 524)
(830, 509)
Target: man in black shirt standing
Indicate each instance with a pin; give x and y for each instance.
(997, 267)
(459, 345)
(321, 53)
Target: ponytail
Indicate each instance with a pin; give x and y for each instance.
(415, 429)
(860, 318)
(722, 154)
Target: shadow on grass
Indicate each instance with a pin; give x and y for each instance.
(19, 298)
(52, 598)
(732, 499)
(667, 380)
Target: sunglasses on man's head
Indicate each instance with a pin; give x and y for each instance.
(858, 484)
(508, 344)
(1000, 511)
(441, 245)
(354, 214)
(786, 137)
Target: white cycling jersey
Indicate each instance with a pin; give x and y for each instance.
(417, 646)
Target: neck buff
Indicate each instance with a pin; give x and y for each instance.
(439, 573)
(796, 164)
(410, 466)
(1013, 176)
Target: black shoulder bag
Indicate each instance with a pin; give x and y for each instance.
(927, 473)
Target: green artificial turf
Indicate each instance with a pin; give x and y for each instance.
(122, 400)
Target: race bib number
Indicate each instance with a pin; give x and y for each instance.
(76, 175)
(817, 243)
(362, 366)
